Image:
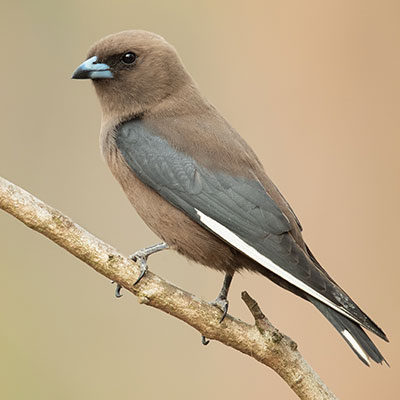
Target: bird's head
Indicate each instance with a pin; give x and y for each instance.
(133, 71)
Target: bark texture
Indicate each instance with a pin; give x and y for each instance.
(261, 340)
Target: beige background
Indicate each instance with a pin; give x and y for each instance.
(313, 86)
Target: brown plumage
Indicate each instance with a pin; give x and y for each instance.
(196, 163)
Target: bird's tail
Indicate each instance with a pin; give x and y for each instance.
(352, 333)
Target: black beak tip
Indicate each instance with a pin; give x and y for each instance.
(80, 74)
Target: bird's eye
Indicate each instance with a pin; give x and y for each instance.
(129, 57)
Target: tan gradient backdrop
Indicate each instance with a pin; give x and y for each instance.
(313, 86)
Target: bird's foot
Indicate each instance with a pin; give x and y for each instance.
(142, 255)
(222, 303)
(222, 300)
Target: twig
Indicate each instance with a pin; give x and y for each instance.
(261, 341)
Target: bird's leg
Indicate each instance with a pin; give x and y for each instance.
(221, 301)
(141, 256)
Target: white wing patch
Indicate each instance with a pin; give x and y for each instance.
(354, 344)
(251, 252)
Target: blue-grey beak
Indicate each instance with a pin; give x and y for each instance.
(92, 70)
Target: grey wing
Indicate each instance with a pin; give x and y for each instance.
(238, 203)
(236, 209)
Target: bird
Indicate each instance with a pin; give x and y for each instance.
(199, 186)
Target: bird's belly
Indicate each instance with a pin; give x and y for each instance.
(170, 224)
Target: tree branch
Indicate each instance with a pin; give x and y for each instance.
(261, 341)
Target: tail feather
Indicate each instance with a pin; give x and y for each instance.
(365, 321)
(352, 333)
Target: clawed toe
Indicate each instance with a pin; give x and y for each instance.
(117, 290)
(142, 255)
(223, 305)
(204, 341)
(143, 267)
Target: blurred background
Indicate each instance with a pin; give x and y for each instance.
(313, 86)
